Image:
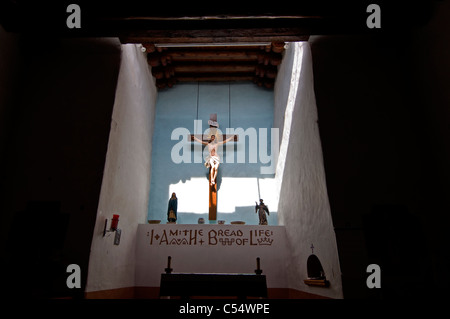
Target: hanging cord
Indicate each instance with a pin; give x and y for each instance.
(229, 105)
(198, 94)
(196, 117)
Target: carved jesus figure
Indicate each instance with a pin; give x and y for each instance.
(213, 159)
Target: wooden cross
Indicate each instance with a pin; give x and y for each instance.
(212, 188)
(212, 215)
(205, 138)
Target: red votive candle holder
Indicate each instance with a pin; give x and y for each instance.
(114, 222)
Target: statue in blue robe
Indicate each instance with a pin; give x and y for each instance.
(172, 209)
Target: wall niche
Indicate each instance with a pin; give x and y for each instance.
(316, 274)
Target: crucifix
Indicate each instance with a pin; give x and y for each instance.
(212, 141)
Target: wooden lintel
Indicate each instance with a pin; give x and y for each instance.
(216, 36)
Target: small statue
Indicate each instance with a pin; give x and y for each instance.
(261, 209)
(172, 209)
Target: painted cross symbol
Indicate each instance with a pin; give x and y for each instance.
(312, 249)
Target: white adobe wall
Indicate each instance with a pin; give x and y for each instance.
(126, 177)
(303, 201)
(210, 249)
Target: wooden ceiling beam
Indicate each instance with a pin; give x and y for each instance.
(214, 55)
(217, 36)
(214, 78)
(213, 68)
(258, 64)
(261, 53)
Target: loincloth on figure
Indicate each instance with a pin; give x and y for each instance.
(214, 158)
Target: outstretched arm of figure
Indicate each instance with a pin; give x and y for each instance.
(227, 140)
(199, 140)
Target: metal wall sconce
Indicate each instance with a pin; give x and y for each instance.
(113, 228)
(114, 224)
